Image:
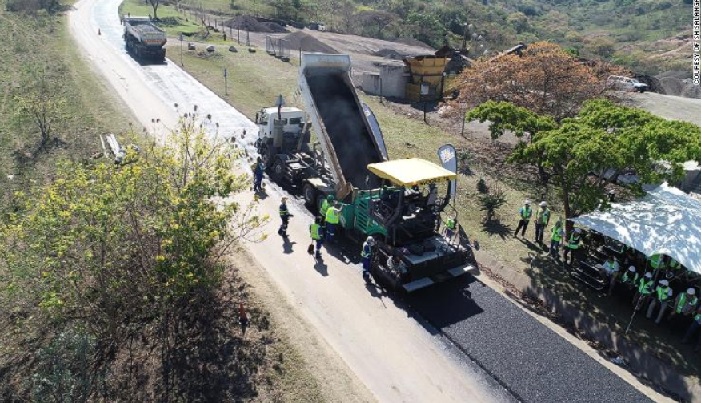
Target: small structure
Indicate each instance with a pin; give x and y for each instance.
(428, 71)
(390, 81)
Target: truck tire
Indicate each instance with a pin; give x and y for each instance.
(278, 171)
(310, 195)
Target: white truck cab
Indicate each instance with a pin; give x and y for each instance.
(293, 120)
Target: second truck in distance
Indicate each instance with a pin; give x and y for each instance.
(144, 40)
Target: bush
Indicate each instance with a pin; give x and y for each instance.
(492, 201)
(482, 186)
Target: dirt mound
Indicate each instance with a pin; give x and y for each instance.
(249, 23)
(300, 40)
(414, 42)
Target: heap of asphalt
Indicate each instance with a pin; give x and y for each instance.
(343, 119)
(530, 360)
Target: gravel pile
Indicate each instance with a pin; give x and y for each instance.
(251, 24)
(299, 39)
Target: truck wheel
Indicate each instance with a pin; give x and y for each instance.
(278, 171)
(310, 195)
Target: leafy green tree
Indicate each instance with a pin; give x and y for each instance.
(576, 154)
(505, 116)
(110, 245)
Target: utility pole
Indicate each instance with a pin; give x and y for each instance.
(181, 49)
(225, 82)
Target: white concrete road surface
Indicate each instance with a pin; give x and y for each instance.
(391, 353)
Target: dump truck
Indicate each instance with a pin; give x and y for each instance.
(144, 40)
(395, 202)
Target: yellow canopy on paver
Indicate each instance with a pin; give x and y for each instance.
(410, 171)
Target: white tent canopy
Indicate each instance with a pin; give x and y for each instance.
(665, 221)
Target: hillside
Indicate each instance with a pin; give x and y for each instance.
(646, 36)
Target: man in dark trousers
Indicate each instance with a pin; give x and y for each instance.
(524, 217)
(316, 235)
(543, 216)
(284, 217)
(258, 175)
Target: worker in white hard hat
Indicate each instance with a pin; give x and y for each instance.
(644, 289)
(611, 269)
(685, 303)
(661, 296)
(524, 217)
(366, 255)
(541, 218)
(630, 277)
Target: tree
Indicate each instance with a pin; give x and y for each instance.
(40, 101)
(544, 79)
(379, 20)
(154, 5)
(603, 136)
(111, 246)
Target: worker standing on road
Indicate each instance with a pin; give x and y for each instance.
(258, 175)
(326, 203)
(284, 217)
(543, 215)
(556, 236)
(366, 255)
(316, 235)
(524, 217)
(661, 297)
(332, 220)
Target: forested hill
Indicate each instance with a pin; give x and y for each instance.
(649, 36)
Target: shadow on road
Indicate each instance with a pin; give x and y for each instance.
(447, 303)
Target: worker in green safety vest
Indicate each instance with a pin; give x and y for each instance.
(332, 220)
(326, 203)
(316, 235)
(556, 236)
(685, 303)
(630, 277)
(644, 288)
(450, 228)
(524, 217)
(657, 261)
(541, 219)
(662, 294)
(573, 246)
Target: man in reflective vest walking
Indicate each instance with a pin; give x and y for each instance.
(662, 295)
(316, 235)
(284, 217)
(524, 217)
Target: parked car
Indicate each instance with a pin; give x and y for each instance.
(622, 83)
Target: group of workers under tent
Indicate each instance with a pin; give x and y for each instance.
(658, 282)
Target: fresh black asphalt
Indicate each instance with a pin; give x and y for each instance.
(527, 358)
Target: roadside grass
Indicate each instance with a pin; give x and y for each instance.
(173, 21)
(254, 80)
(89, 107)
